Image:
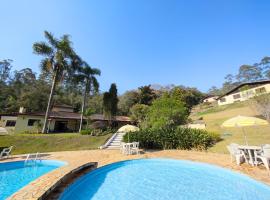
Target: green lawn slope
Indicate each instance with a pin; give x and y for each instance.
(215, 116)
(31, 143)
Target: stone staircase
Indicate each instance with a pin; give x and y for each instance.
(114, 142)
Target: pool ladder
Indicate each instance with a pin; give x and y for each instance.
(33, 156)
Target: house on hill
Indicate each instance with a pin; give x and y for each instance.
(210, 99)
(244, 92)
(62, 118)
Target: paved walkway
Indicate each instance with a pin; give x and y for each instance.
(103, 157)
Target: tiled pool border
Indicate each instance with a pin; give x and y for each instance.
(39, 188)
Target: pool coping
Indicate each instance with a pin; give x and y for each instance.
(39, 188)
(43, 185)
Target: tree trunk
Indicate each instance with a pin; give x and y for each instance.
(44, 129)
(83, 106)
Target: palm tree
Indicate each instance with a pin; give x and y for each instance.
(59, 60)
(86, 75)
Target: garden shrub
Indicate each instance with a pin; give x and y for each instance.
(173, 138)
(86, 132)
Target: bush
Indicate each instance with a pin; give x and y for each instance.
(86, 132)
(166, 111)
(173, 138)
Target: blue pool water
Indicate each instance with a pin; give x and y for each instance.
(165, 179)
(15, 175)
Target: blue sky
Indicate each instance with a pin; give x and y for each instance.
(137, 42)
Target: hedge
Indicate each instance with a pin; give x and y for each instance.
(173, 138)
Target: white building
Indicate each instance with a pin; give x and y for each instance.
(210, 99)
(244, 92)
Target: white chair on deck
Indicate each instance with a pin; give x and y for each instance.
(125, 148)
(6, 152)
(135, 148)
(264, 155)
(236, 154)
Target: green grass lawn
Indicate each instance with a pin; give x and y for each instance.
(255, 135)
(31, 143)
(217, 108)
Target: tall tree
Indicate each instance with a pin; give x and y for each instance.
(114, 99)
(87, 77)
(106, 104)
(265, 63)
(126, 101)
(5, 67)
(59, 60)
(110, 101)
(146, 95)
(249, 73)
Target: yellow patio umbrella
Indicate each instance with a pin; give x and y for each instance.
(243, 121)
(127, 129)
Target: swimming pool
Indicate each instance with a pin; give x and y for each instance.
(165, 179)
(15, 175)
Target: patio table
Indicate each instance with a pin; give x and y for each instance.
(250, 150)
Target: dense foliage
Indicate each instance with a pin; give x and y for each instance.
(173, 138)
(126, 101)
(166, 111)
(139, 112)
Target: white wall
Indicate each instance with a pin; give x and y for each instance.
(244, 95)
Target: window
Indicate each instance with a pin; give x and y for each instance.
(223, 100)
(31, 122)
(236, 96)
(260, 90)
(11, 123)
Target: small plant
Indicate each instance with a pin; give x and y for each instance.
(86, 132)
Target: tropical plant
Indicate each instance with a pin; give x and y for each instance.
(87, 77)
(59, 60)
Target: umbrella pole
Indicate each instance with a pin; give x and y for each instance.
(245, 136)
(128, 137)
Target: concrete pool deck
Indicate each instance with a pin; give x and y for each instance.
(76, 159)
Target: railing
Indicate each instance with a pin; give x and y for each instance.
(109, 141)
(34, 157)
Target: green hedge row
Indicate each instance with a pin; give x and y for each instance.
(173, 138)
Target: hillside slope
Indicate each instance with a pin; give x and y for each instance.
(215, 116)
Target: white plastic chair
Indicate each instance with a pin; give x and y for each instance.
(264, 155)
(6, 152)
(236, 154)
(125, 148)
(122, 147)
(135, 148)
